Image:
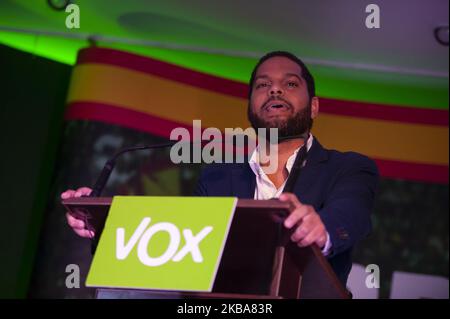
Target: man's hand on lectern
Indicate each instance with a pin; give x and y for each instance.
(308, 227)
(77, 225)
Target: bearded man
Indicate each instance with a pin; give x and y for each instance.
(331, 193)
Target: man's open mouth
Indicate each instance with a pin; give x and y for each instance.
(276, 106)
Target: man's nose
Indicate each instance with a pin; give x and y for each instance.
(275, 90)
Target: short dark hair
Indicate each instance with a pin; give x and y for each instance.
(306, 75)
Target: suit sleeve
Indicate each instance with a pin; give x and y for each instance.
(347, 209)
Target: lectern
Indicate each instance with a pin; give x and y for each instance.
(258, 261)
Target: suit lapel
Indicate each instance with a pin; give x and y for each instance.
(309, 174)
(243, 182)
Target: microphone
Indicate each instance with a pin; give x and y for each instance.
(106, 172)
(109, 166)
(297, 166)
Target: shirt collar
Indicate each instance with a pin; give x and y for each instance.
(254, 159)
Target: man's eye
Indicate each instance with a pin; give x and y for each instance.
(292, 84)
(261, 85)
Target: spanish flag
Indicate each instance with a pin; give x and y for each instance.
(153, 96)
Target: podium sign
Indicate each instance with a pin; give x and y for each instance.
(258, 260)
(163, 243)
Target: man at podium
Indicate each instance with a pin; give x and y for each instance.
(331, 193)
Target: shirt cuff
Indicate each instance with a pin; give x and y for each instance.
(327, 248)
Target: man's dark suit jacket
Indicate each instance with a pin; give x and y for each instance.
(340, 186)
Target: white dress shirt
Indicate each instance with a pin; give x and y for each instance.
(265, 189)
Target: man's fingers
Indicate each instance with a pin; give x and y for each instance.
(310, 228)
(84, 233)
(314, 236)
(305, 227)
(68, 194)
(297, 209)
(290, 198)
(74, 222)
(300, 233)
(78, 227)
(296, 216)
(82, 191)
(317, 235)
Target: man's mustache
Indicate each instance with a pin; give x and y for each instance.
(276, 99)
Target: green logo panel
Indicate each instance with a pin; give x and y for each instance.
(162, 243)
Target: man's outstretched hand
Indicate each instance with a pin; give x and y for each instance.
(78, 225)
(308, 227)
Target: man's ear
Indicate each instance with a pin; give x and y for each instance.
(314, 107)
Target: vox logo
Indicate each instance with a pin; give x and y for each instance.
(142, 238)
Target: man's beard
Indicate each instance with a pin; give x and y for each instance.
(295, 125)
